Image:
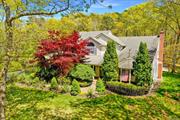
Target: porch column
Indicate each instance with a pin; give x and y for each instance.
(120, 75)
(97, 71)
(129, 76)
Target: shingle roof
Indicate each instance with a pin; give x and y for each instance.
(116, 39)
(85, 35)
(95, 34)
(102, 42)
(128, 54)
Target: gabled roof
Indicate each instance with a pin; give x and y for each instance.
(112, 37)
(94, 60)
(85, 35)
(131, 46)
(101, 42)
(128, 54)
(96, 34)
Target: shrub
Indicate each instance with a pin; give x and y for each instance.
(47, 73)
(27, 77)
(64, 81)
(100, 87)
(110, 63)
(15, 66)
(142, 67)
(65, 88)
(126, 89)
(21, 77)
(90, 93)
(35, 80)
(75, 88)
(13, 77)
(24, 78)
(82, 72)
(33, 75)
(54, 84)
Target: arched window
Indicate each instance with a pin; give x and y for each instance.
(92, 48)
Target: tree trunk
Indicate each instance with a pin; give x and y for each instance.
(3, 77)
(175, 54)
(2, 96)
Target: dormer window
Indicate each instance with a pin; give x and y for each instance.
(92, 48)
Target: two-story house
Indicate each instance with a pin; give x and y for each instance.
(127, 48)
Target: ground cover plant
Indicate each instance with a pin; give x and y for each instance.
(31, 104)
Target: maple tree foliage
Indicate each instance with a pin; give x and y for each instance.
(61, 53)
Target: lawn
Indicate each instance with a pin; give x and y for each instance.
(30, 104)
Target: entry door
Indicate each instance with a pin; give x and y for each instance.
(125, 75)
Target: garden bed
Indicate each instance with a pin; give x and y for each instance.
(126, 89)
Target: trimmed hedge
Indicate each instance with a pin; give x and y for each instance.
(126, 89)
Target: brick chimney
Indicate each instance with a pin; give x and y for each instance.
(160, 57)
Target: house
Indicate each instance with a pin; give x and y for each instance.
(127, 48)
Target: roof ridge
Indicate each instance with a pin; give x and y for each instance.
(96, 31)
(137, 36)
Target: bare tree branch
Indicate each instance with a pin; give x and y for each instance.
(41, 13)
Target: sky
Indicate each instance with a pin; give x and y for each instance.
(117, 6)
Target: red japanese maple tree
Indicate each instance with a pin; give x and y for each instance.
(61, 52)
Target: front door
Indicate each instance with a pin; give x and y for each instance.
(125, 75)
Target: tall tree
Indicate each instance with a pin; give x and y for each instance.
(110, 63)
(172, 20)
(142, 66)
(107, 23)
(16, 9)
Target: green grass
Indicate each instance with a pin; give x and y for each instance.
(29, 104)
(170, 87)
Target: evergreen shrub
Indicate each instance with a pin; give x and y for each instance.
(75, 88)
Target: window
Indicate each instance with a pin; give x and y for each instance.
(92, 48)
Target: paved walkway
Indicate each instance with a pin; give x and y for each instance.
(93, 87)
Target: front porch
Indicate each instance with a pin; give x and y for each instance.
(125, 75)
